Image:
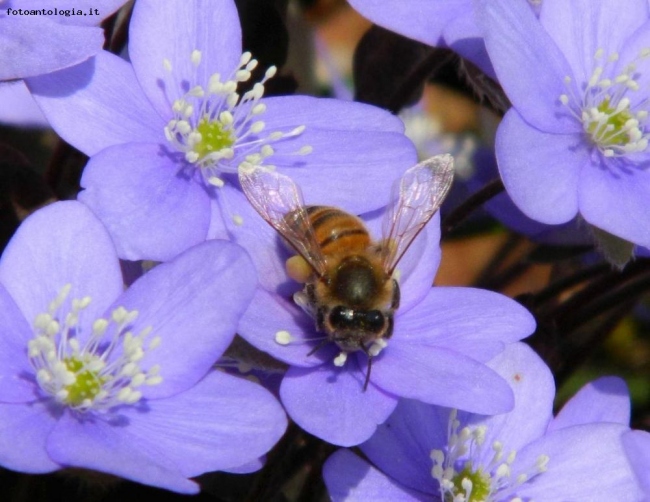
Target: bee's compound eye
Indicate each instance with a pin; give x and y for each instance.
(342, 318)
(374, 320)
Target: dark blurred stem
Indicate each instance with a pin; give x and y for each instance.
(598, 288)
(108, 25)
(314, 487)
(54, 170)
(273, 475)
(476, 200)
(414, 80)
(597, 337)
(298, 456)
(503, 279)
(498, 259)
(119, 36)
(561, 285)
(626, 293)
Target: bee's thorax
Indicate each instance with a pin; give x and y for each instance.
(355, 282)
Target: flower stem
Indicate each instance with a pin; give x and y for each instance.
(428, 65)
(563, 313)
(576, 356)
(477, 199)
(624, 294)
(116, 38)
(561, 285)
(489, 273)
(63, 171)
(274, 473)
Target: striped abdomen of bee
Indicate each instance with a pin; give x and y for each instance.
(338, 231)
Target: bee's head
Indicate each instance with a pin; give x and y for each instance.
(347, 319)
(352, 329)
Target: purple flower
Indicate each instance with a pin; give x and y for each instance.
(576, 139)
(167, 131)
(439, 23)
(442, 337)
(18, 106)
(637, 447)
(42, 36)
(118, 382)
(574, 232)
(427, 452)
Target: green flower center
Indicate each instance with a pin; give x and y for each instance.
(215, 127)
(615, 123)
(613, 127)
(214, 137)
(480, 483)
(87, 384)
(99, 373)
(486, 469)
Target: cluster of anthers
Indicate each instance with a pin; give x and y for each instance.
(462, 479)
(217, 129)
(104, 372)
(614, 122)
(284, 337)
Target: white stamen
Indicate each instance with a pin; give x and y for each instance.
(465, 452)
(196, 57)
(340, 359)
(615, 123)
(377, 346)
(245, 58)
(257, 127)
(215, 181)
(213, 124)
(242, 75)
(97, 374)
(283, 337)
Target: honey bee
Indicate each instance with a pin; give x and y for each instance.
(350, 289)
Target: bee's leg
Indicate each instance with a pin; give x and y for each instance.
(321, 314)
(306, 300)
(365, 384)
(319, 346)
(394, 305)
(310, 289)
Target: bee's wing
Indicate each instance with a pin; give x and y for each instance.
(414, 200)
(279, 201)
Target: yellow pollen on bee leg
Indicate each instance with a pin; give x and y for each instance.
(298, 269)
